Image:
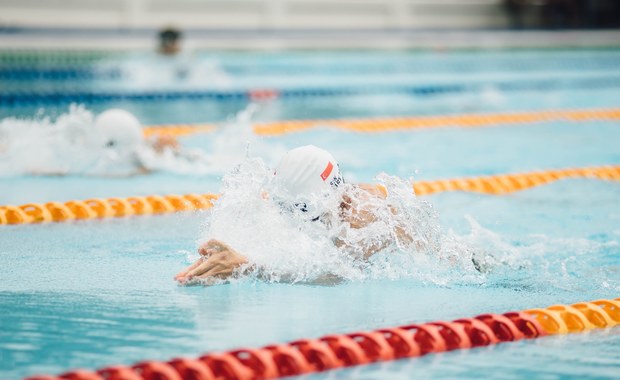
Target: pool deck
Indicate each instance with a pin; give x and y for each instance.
(263, 39)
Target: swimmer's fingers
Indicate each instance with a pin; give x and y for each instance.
(203, 267)
(222, 265)
(202, 275)
(185, 271)
(218, 271)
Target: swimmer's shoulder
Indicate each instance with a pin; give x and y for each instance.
(374, 190)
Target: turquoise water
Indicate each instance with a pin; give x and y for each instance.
(94, 293)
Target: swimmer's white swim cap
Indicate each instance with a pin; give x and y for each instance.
(119, 129)
(308, 170)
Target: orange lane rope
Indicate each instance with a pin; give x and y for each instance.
(104, 208)
(178, 130)
(464, 121)
(335, 351)
(157, 204)
(403, 123)
(508, 183)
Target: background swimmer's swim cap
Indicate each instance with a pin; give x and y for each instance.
(308, 170)
(119, 129)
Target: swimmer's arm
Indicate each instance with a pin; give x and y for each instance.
(363, 216)
(374, 190)
(401, 233)
(164, 141)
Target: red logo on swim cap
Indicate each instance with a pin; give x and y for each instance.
(327, 171)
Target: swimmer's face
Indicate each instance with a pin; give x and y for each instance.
(300, 210)
(122, 140)
(169, 46)
(169, 41)
(312, 208)
(170, 49)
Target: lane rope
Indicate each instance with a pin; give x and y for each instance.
(509, 183)
(178, 129)
(20, 98)
(336, 351)
(419, 122)
(375, 125)
(157, 204)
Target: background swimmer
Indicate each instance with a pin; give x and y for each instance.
(111, 144)
(309, 184)
(172, 65)
(169, 41)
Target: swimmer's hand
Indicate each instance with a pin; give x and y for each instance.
(218, 261)
(163, 142)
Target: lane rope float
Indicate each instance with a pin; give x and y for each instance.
(158, 204)
(178, 129)
(21, 98)
(419, 122)
(104, 208)
(509, 183)
(374, 125)
(336, 351)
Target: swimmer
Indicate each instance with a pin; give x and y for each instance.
(112, 144)
(175, 61)
(128, 152)
(169, 41)
(307, 175)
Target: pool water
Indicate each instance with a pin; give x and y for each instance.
(93, 293)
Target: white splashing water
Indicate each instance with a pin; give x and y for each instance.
(231, 143)
(235, 140)
(182, 71)
(43, 146)
(286, 246)
(71, 144)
